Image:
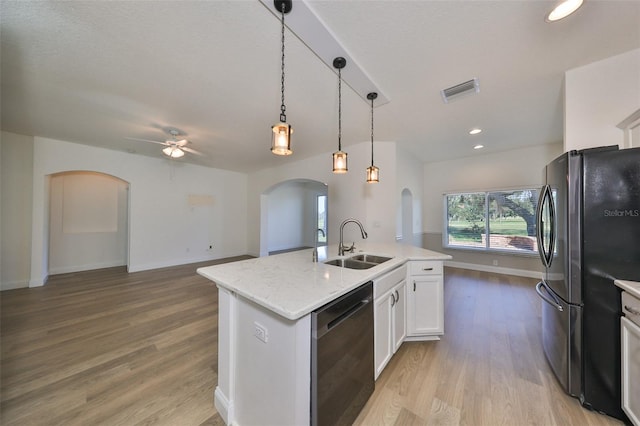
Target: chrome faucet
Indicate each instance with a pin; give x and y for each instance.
(341, 247)
(315, 249)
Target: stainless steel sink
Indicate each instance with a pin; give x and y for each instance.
(359, 261)
(351, 263)
(372, 258)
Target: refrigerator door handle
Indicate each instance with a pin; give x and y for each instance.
(545, 250)
(547, 296)
(540, 225)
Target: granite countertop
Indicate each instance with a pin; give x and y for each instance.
(632, 287)
(291, 285)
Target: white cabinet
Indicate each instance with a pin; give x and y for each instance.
(389, 314)
(630, 336)
(425, 300)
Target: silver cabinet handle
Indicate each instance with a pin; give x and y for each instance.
(631, 310)
(397, 296)
(414, 285)
(393, 300)
(427, 269)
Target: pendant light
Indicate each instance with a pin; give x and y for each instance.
(339, 157)
(373, 173)
(281, 131)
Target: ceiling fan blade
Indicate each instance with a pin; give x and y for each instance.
(147, 140)
(191, 151)
(182, 142)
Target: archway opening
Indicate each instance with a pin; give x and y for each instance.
(293, 214)
(88, 222)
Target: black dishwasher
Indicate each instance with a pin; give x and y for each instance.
(342, 357)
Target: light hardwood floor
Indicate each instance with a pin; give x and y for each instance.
(107, 347)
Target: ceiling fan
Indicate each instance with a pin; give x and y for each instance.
(174, 148)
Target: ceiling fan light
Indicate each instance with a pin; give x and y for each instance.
(373, 174)
(281, 139)
(340, 162)
(563, 9)
(173, 152)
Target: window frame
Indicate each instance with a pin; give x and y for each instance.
(487, 248)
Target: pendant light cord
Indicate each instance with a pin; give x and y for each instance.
(372, 132)
(283, 116)
(339, 109)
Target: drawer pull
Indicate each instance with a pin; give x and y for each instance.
(631, 310)
(427, 269)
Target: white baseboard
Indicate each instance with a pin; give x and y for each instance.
(80, 268)
(495, 269)
(223, 405)
(12, 285)
(176, 262)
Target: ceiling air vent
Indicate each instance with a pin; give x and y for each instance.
(459, 90)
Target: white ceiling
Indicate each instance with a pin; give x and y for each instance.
(95, 72)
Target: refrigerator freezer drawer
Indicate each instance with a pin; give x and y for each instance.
(562, 339)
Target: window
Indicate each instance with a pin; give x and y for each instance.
(507, 217)
(321, 219)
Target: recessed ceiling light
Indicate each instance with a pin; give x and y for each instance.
(479, 146)
(563, 9)
(475, 131)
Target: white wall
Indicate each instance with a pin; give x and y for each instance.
(598, 97)
(88, 222)
(502, 170)
(509, 169)
(349, 195)
(286, 216)
(165, 226)
(16, 176)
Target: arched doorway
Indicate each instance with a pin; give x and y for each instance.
(290, 213)
(88, 221)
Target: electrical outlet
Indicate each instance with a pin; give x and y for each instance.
(261, 332)
(495, 262)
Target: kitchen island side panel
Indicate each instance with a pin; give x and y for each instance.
(272, 373)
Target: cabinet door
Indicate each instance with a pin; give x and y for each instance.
(399, 315)
(382, 332)
(425, 314)
(630, 370)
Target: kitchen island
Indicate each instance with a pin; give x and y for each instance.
(264, 326)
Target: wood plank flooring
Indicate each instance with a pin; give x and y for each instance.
(488, 369)
(110, 348)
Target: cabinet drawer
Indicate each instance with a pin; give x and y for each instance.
(387, 281)
(425, 267)
(631, 307)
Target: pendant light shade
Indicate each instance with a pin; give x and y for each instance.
(339, 157)
(373, 173)
(281, 131)
(281, 139)
(340, 162)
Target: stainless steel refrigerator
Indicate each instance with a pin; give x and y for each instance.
(588, 234)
